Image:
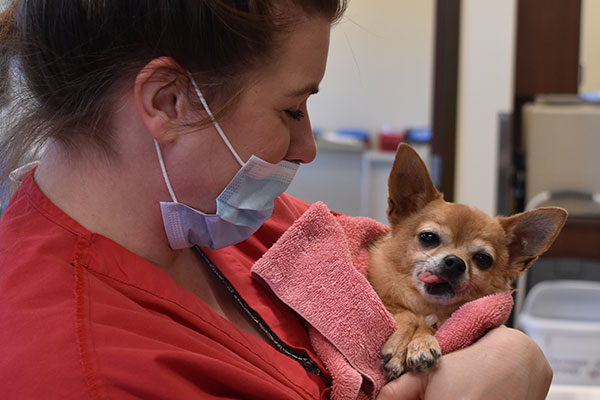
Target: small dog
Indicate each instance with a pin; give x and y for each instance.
(439, 255)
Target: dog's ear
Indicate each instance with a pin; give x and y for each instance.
(409, 185)
(531, 233)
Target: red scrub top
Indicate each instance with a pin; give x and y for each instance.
(82, 317)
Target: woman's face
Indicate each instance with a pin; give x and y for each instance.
(269, 120)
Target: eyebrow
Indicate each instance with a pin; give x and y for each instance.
(311, 89)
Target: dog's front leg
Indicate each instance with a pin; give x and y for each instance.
(424, 349)
(411, 346)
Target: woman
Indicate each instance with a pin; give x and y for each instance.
(103, 289)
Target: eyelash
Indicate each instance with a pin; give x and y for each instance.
(295, 114)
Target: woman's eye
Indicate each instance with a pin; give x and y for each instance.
(429, 239)
(295, 114)
(483, 261)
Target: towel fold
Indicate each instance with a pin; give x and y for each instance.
(318, 268)
(311, 268)
(472, 320)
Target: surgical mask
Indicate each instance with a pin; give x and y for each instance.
(242, 207)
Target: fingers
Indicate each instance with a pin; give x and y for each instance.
(410, 386)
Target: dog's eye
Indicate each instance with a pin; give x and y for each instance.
(483, 261)
(429, 239)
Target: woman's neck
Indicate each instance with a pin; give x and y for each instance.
(107, 197)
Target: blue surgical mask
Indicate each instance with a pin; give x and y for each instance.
(242, 207)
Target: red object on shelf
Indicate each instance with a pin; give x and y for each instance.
(389, 141)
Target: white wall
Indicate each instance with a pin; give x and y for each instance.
(379, 70)
(590, 46)
(379, 73)
(486, 57)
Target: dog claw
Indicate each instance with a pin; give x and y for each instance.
(393, 365)
(421, 362)
(423, 353)
(393, 370)
(400, 355)
(386, 357)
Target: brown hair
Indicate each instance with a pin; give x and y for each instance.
(61, 60)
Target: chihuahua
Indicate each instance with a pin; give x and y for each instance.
(439, 255)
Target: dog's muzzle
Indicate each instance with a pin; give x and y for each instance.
(452, 268)
(446, 278)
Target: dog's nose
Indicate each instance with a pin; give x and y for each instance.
(453, 266)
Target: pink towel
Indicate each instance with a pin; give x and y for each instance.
(472, 320)
(318, 268)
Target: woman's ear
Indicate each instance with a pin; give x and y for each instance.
(160, 99)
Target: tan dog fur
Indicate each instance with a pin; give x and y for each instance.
(407, 268)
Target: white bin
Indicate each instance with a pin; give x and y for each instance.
(563, 317)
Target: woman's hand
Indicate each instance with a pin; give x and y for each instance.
(504, 364)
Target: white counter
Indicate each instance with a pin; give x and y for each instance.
(571, 392)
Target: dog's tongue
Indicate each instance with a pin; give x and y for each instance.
(429, 278)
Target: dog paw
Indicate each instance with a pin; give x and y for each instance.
(422, 353)
(393, 367)
(394, 355)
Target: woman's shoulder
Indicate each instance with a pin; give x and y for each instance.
(40, 356)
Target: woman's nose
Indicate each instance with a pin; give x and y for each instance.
(302, 148)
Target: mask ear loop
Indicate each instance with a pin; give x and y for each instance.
(213, 119)
(164, 171)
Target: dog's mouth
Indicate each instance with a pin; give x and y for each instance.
(435, 285)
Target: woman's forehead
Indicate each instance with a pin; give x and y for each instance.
(299, 64)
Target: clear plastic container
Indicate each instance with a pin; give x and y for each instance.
(563, 317)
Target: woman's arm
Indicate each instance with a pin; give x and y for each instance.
(504, 364)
